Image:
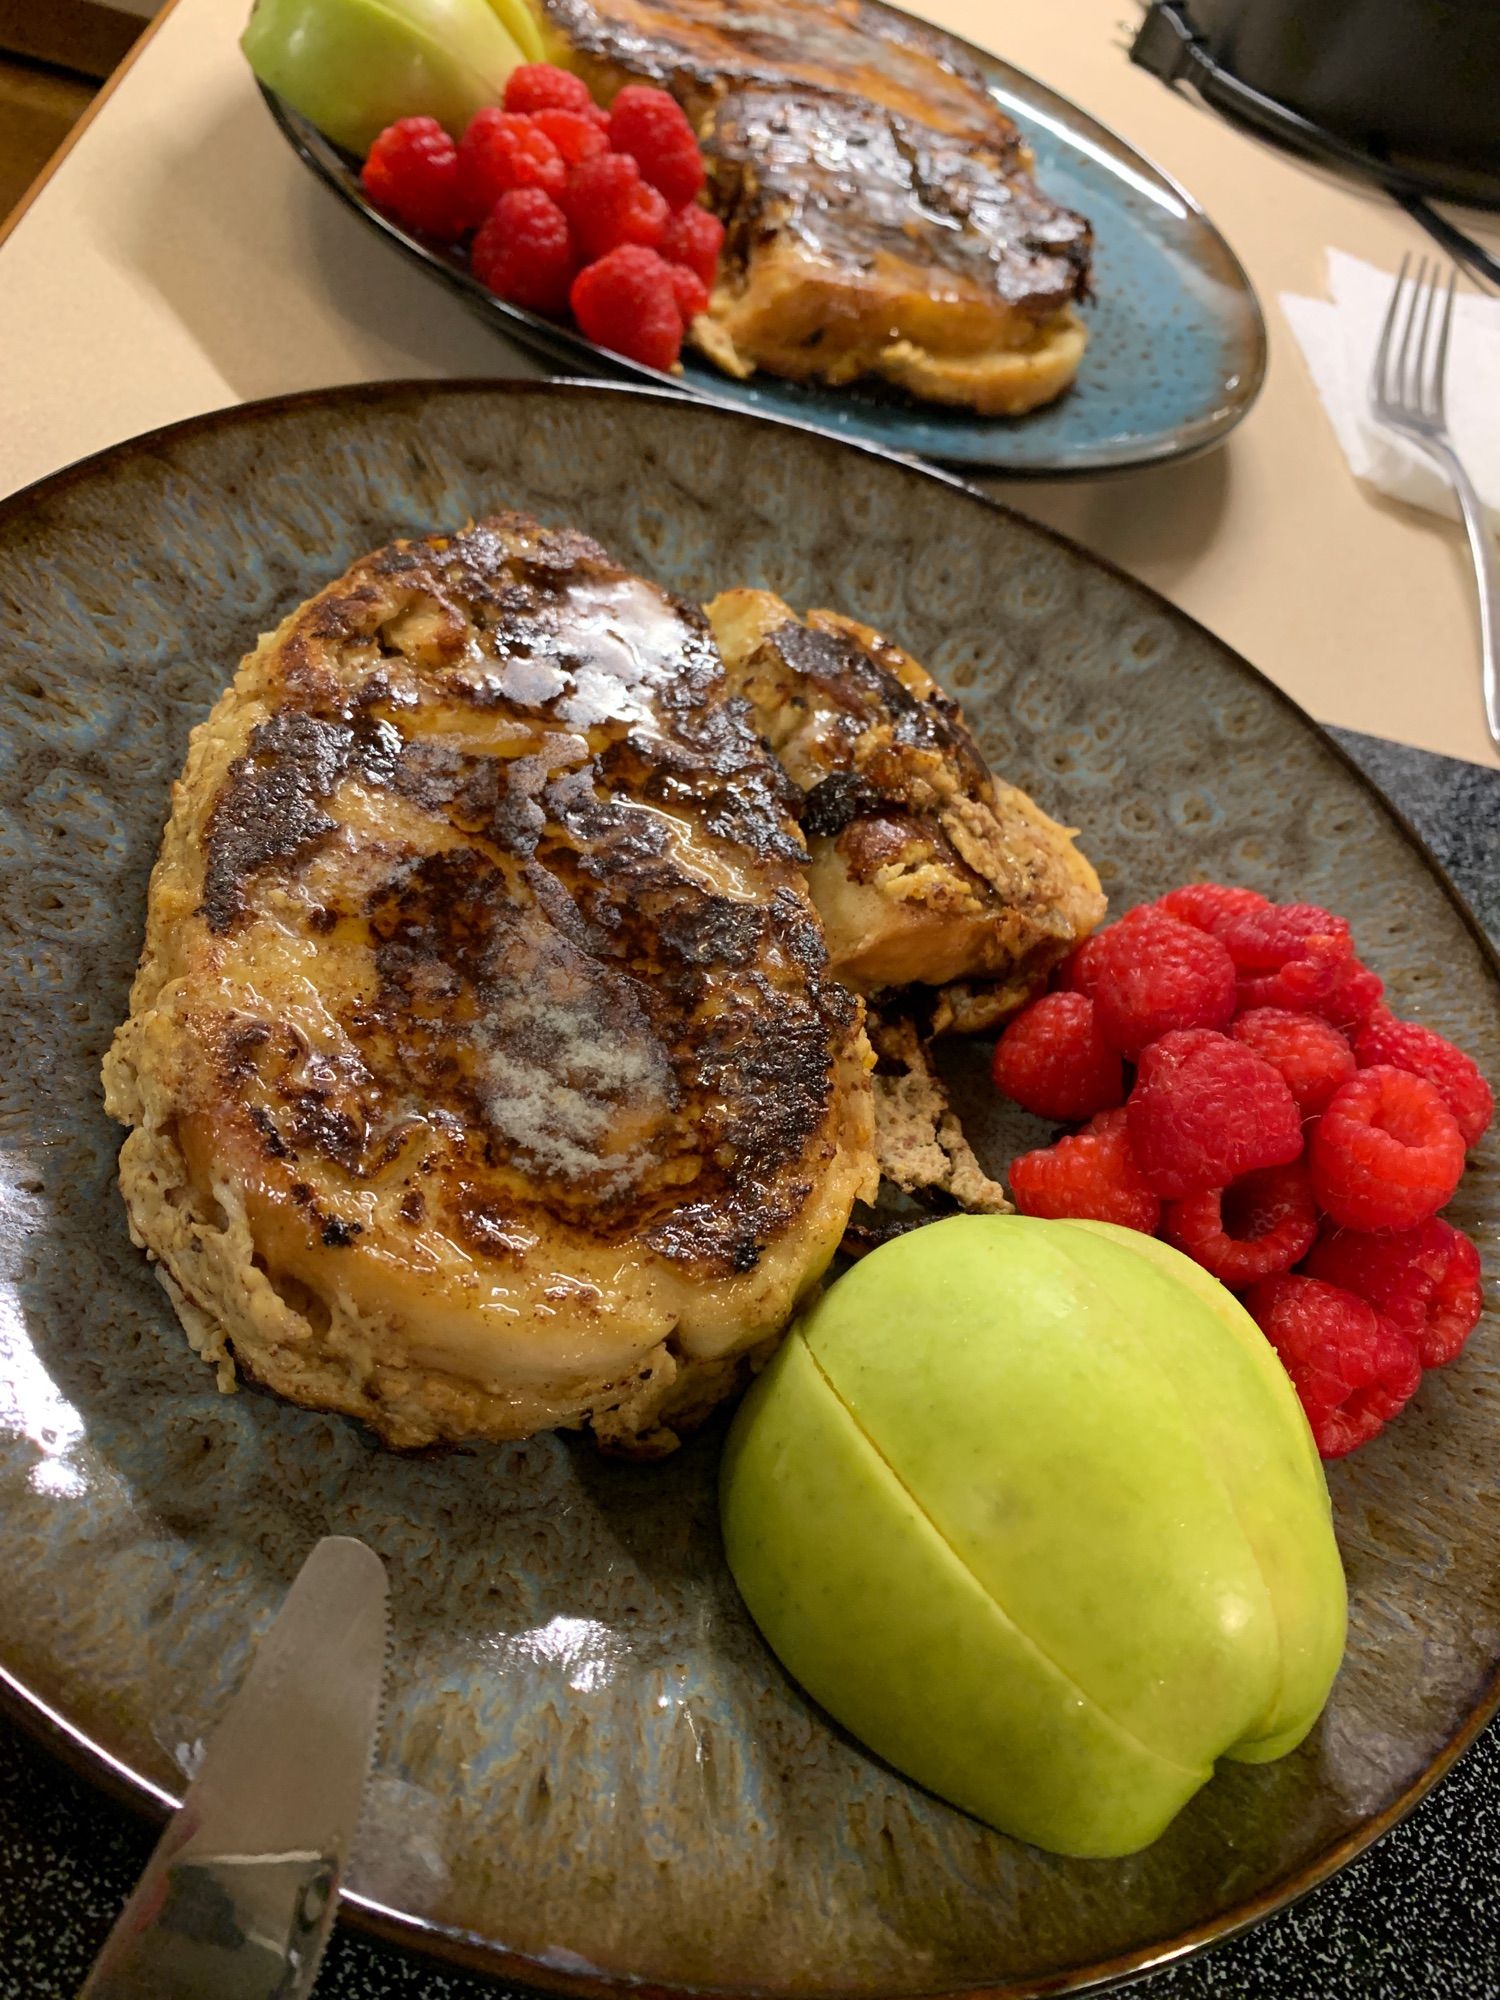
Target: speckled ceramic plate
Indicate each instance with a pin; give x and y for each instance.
(593, 1774)
(1177, 347)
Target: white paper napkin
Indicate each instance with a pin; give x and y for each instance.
(1338, 338)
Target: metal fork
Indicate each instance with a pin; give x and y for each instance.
(1407, 396)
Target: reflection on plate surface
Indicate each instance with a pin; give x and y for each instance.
(590, 1760)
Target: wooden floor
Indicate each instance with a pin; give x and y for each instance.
(38, 108)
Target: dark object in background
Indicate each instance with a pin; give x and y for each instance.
(88, 37)
(1403, 92)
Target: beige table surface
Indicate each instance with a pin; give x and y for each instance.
(180, 259)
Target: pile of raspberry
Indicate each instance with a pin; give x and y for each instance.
(572, 208)
(1242, 1091)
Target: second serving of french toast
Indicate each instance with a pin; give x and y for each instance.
(882, 219)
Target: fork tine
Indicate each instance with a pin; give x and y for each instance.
(1445, 327)
(1379, 376)
(1424, 386)
(1406, 368)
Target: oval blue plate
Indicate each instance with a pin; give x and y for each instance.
(1177, 345)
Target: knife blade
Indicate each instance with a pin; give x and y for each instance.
(238, 1898)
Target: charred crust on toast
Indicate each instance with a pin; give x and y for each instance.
(861, 188)
(859, 679)
(596, 1027)
(270, 809)
(698, 48)
(836, 800)
(880, 212)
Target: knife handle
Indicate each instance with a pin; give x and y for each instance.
(233, 1927)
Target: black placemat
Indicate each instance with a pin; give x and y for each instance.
(1418, 1916)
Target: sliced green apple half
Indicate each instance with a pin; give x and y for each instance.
(355, 66)
(1032, 1509)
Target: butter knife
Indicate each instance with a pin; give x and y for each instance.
(238, 1899)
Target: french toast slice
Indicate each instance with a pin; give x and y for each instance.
(484, 1068)
(698, 49)
(925, 868)
(882, 221)
(860, 243)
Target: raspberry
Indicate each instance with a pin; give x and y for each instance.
(651, 126)
(524, 253)
(1288, 955)
(1424, 1052)
(1053, 1060)
(1254, 1229)
(1292, 955)
(1269, 939)
(501, 151)
(1387, 1152)
(575, 135)
(545, 87)
(1352, 1370)
(1152, 973)
(1210, 905)
(1425, 1281)
(1456, 1303)
(648, 217)
(694, 237)
(1454, 1308)
(1205, 1110)
(690, 292)
(643, 115)
(1310, 1053)
(677, 172)
(608, 204)
(1076, 973)
(1090, 1175)
(625, 302)
(1306, 983)
(1353, 997)
(412, 172)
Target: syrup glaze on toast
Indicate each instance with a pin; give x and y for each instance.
(881, 215)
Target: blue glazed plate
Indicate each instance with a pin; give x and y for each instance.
(593, 1776)
(1177, 346)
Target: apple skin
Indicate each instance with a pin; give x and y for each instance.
(1032, 1509)
(355, 66)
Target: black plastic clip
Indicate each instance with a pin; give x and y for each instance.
(1165, 43)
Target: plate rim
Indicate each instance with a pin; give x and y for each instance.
(101, 1767)
(565, 344)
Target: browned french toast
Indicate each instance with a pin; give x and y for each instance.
(497, 1059)
(698, 49)
(925, 868)
(881, 216)
(484, 1066)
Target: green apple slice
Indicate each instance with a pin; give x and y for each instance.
(831, 1556)
(355, 66)
(1032, 1509)
(1044, 1407)
(523, 24)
